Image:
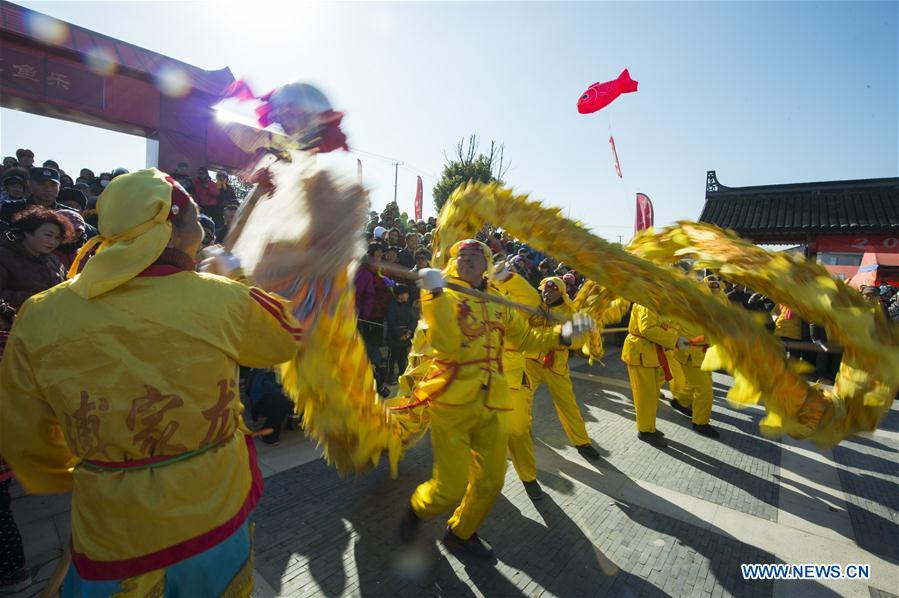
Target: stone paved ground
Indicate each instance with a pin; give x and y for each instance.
(869, 474)
(603, 529)
(641, 522)
(738, 472)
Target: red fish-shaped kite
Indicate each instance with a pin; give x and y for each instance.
(600, 95)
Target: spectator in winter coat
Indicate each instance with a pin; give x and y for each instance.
(893, 309)
(25, 158)
(228, 214)
(401, 321)
(15, 182)
(372, 300)
(364, 283)
(226, 194)
(73, 199)
(407, 254)
(267, 399)
(571, 284)
(206, 193)
(44, 186)
(67, 251)
(391, 255)
(27, 263)
(182, 175)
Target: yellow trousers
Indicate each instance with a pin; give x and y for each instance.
(469, 443)
(521, 444)
(692, 387)
(646, 383)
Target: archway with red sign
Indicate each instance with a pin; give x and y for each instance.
(53, 68)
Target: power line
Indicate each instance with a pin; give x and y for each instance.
(392, 161)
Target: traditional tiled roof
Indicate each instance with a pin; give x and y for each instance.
(791, 213)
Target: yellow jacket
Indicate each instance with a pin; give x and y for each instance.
(468, 337)
(694, 354)
(556, 358)
(92, 390)
(646, 332)
(518, 289)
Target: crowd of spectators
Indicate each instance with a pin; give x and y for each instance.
(46, 216)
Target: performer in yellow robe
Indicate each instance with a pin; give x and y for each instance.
(647, 366)
(550, 368)
(467, 394)
(691, 387)
(518, 289)
(121, 386)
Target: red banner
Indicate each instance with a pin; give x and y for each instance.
(857, 243)
(615, 155)
(418, 200)
(644, 213)
(38, 75)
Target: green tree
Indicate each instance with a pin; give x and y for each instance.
(469, 165)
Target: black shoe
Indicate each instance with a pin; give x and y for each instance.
(533, 489)
(15, 581)
(409, 525)
(473, 546)
(653, 438)
(588, 452)
(688, 411)
(384, 391)
(706, 430)
(271, 441)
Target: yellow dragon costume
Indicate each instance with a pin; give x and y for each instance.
(868, 378)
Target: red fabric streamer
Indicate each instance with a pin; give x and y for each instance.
(615, 155)
(418, 200)
(644, 213)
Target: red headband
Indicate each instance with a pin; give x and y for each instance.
(470, 244)
(180, 198)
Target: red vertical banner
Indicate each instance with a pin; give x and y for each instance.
(418, 200)
(615, 156)
(359, 170)
(644, 213)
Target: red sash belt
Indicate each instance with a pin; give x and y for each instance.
(660, 353)
(663, 361)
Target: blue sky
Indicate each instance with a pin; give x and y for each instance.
(762, 92)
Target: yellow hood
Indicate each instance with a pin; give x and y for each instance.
(134, 230)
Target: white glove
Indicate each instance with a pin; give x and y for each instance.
(574, 329)
(221, 262)
(682, 343)
(431, 279)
